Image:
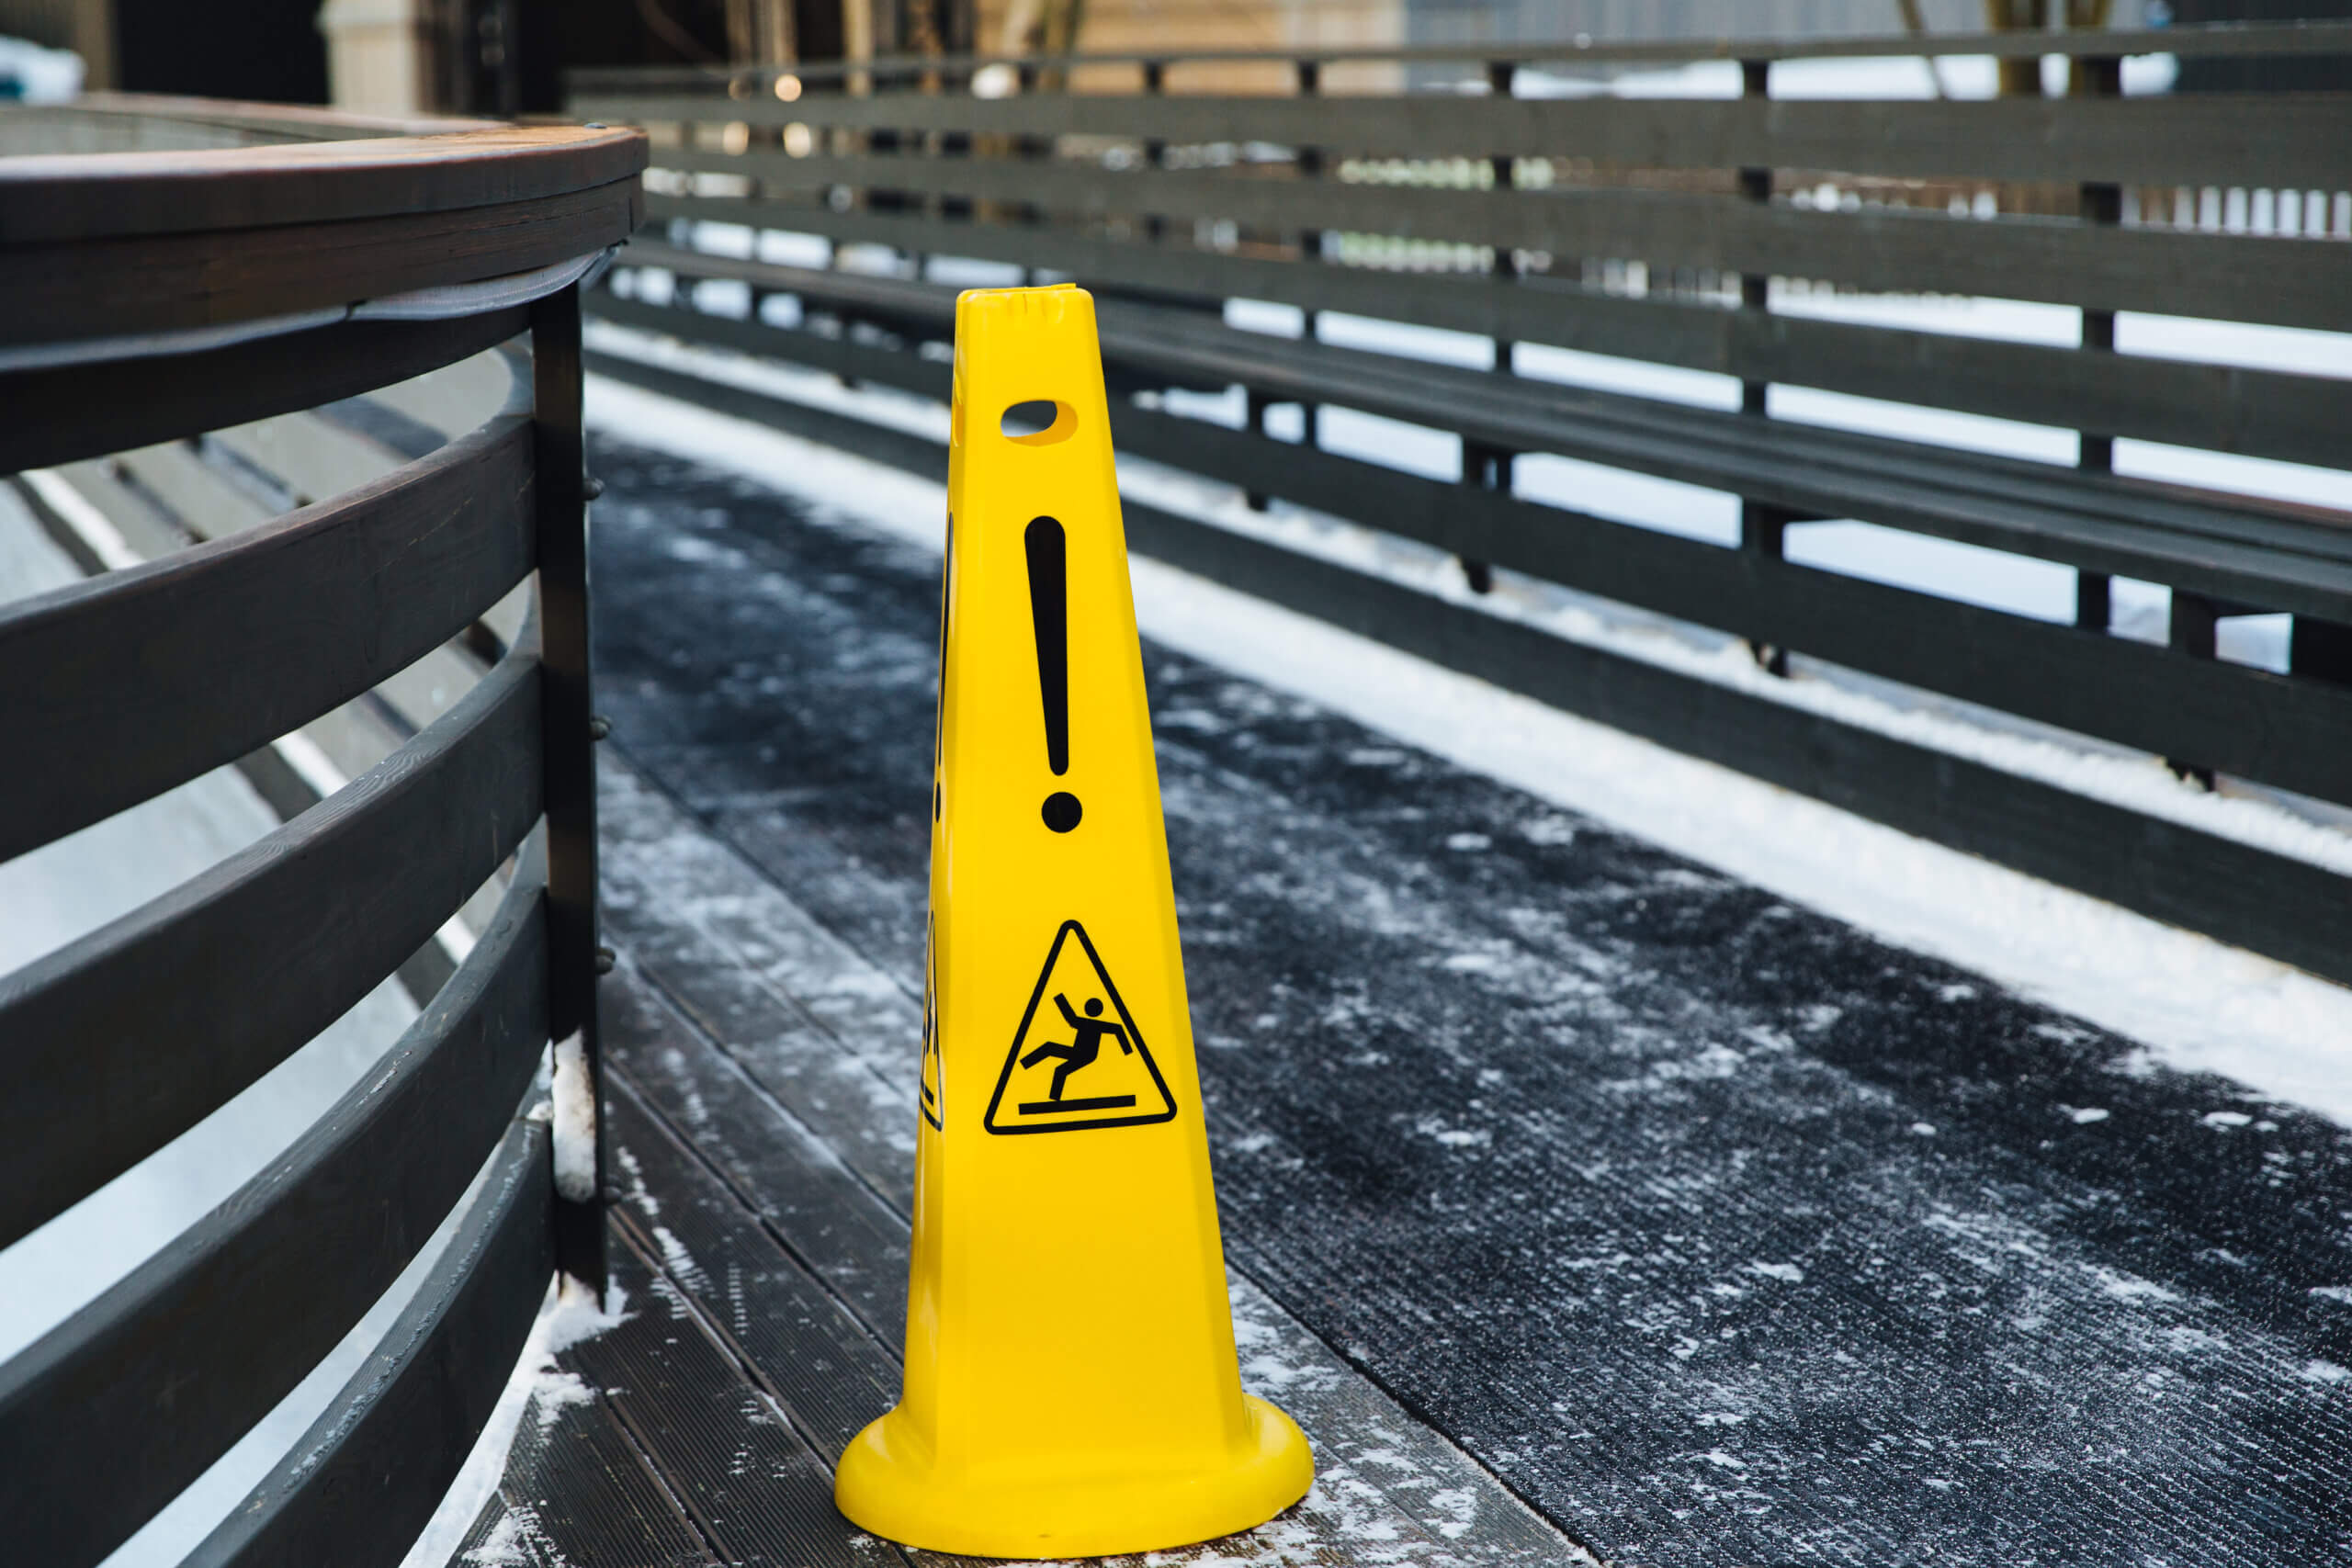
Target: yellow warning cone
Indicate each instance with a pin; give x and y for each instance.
(1072, 1389)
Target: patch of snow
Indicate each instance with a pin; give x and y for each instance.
(575, 1123)
(2129, 1288)
(33, 74)
(570, 1313)
(1785, 1271)
(502, 1547)
(2086, 1116)
(2222, 1121)
(2197, 1004)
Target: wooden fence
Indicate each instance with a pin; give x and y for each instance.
(1168, 206)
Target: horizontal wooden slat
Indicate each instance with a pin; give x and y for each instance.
(134, 1396)
(129, 683)
(82, 410)
(67, 289)
(2262, 413)
(2304, 282)
(2240, 720)
(2287, 909)
(2226, 39)
(118, 1042)
(94, 195)
(359, 1485)
(2283, 140)
(2248, 555)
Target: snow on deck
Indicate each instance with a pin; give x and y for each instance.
(1728, 1178)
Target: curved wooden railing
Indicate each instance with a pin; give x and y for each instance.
(155, 295)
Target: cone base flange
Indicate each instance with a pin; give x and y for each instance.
(886, 1484)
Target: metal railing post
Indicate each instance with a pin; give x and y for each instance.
(1763, 528)
(1310, 242)
(2101, 77)
(568, 738)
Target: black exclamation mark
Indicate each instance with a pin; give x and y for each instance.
(1049, 616)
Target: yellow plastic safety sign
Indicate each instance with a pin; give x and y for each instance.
(1071, 1388)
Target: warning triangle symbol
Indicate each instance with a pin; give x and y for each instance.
(1078, 1060)
(934, 1082)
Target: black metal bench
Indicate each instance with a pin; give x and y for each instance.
(157, 295)
(1684, 189)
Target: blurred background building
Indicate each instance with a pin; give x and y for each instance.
(505, 57)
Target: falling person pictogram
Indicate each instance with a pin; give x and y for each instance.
(1085, 1046)
(1059, 1076)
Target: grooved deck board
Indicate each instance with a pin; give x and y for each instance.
(581, 1495)
(750, 1482)
(1721, 1232)
(827, 1369)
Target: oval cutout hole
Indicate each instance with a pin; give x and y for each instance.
(1039, 422)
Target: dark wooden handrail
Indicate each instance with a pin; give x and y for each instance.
(156, 295)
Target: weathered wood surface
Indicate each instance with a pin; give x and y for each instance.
(120, 1041)
(1721, 1233)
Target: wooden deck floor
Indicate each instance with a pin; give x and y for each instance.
(761, 1121)
(1577, 1196)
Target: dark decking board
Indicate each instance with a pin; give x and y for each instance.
(1718, 1231)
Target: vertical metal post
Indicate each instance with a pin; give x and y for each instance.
(568, 747)
(1254, 406)
(1486, 467)
(2195, 621)
(1310, 241)
(2321, 650)
(1763, 528)
(1501, 76)
(1155, 152)
(2102, 77)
